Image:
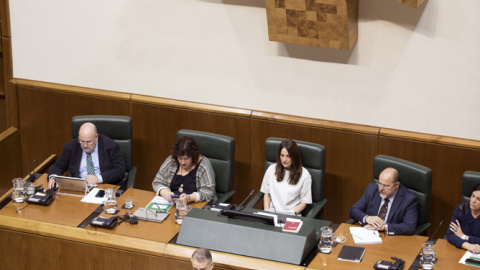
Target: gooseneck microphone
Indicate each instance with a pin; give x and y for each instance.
(438, 227)
(32, 177)
(280, 218)
(273, 205)
(251, 192)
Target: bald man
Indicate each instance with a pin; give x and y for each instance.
(202, 259)
(387, 206)
(103, 152)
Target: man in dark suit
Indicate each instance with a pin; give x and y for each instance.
(93, 157)
(387, 206)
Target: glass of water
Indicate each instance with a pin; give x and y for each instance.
(427, 261)
(128, 202)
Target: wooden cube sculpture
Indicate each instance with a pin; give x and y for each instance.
(318, 23)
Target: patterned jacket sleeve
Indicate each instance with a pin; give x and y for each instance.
(206, 181)
(165, 174)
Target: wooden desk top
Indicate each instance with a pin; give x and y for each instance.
(65, 210)
(448, 256)
(162, 232)
(404, 247)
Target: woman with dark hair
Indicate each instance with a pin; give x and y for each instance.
(186, 173)
(287, 185)
(464, 231)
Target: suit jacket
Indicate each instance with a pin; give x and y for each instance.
(403, 215)
(112, 164)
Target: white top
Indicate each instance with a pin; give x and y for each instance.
(285, 196)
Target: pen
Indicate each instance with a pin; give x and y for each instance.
(346, 234)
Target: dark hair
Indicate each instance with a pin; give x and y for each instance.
(202, 254)
(186, 146)
(295, 168)
(476, 187)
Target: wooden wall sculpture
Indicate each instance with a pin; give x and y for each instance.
(317, 23)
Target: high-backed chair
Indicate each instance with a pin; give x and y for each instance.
(220, 150)
(469, 179)
(313, 159)
(415, 177)
(117, 128)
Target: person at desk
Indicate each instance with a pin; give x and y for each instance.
(464, 230)
(186, 173)
(286, 184)
(202, 259)
(387, 206)
(93, 157)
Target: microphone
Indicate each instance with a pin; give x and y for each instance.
(238, 207)
(32, 177)
(438, 227)
(281, 218)
(119, 191)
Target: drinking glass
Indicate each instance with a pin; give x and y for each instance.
(128, 202)
(427, 261)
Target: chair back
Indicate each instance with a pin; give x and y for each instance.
(469, 180)
(415, 177)
(220, 150)
(313, 159)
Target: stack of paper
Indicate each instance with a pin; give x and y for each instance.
(363, 236)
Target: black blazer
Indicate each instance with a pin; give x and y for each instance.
(112, 164)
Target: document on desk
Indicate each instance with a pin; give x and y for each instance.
(470, 258)
(159, 203)
(363, 236)
(90, 197)
(275, 218)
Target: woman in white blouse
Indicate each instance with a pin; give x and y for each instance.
(287, 185)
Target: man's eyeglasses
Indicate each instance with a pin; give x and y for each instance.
(85, 142)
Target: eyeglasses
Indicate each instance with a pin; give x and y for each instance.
(85, 142)
(385, 186)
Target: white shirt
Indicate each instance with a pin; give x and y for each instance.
(286, 197)
(96, 165)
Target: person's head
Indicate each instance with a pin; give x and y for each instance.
(475, 198)
(88, 137)
(186, 152)
(202, 259)
(289, 158)
(388, 182)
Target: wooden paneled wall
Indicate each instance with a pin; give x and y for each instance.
(10, 158)
(45, 112)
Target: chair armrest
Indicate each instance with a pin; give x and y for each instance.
(350, 221)
(225, 197)
(254, 200)
(131, 177)
(422, 228)
(313, 213)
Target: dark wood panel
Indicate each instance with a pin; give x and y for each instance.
(448, 163)
(3, 114)
(155, 129)
(46, 116)
(10, 159)
(349, 161)
(29, 251)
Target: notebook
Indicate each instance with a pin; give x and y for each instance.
(351, 254)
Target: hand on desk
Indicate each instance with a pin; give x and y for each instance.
(374, 221)
(475, 248)
(91, 179)
(51, 182)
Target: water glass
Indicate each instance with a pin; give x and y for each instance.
(18, 194)
(181, 210)
(128, 202)
(30, 189)
(427, 260)
(327, 239)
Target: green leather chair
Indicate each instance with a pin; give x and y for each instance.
(314, 160)
(469, 179)
(220, 150)
(118, 128)
(415, 177)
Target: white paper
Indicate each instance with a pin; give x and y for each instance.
(90, 197)
(467, 255)
(363, 236)
(160, 200)
(275, 218)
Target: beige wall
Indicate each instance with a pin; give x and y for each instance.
(412, 69)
